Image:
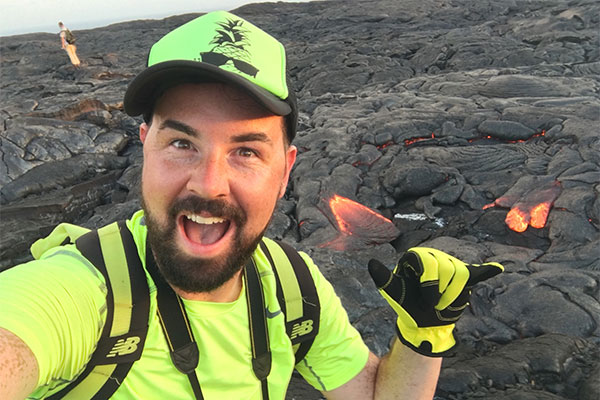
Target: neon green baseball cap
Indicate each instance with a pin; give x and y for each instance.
(217, 47)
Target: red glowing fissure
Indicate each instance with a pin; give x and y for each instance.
(408, 142)
(542, 133)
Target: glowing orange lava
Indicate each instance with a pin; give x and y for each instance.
(338, 205)
(358, 225)
(517, 219)
(542, 133)
(531, 209)
(408, 142)
(539, 215)
(386, 144)
(489, 206)
(347, 213)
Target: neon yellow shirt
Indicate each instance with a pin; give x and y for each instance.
(57, 306)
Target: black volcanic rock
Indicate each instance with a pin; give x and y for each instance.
(441, 115)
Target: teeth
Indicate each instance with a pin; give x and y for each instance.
(204, 220)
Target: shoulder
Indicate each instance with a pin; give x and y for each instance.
(139, 231)
(55, 302)
(137, 226)
(60, 271)
(64, 260)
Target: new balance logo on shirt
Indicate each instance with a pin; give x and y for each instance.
(301, 329)
(124, 346)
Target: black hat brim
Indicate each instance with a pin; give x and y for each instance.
(151, 83)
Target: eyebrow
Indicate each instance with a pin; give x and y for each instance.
(188, 130)
(251, 137)
(179, 126)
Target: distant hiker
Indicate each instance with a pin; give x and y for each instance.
(67, 40)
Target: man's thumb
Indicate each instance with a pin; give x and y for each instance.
(481, 272)
(380, 274)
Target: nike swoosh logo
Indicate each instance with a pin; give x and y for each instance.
(272, 314)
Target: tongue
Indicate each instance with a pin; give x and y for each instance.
(205, 234)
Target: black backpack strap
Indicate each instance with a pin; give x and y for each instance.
(259, 334)
(113, 252)
(297, 295)
(175, 326)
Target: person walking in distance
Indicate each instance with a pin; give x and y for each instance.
(67, 40)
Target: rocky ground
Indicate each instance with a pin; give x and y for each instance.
(444, 116)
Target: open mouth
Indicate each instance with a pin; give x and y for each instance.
(204, 231)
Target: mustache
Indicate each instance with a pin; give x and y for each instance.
(218, 208)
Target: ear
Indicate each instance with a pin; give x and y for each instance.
(290, 159)
(144, 128)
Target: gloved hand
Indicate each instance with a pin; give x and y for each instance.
(429, 290)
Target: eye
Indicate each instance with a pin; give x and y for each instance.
(247, 152)
(181, 144)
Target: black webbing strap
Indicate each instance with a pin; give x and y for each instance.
(175, 326)
(259, 335)
(114, 355)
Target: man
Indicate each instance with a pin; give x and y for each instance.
(67, 42)
(219, 123)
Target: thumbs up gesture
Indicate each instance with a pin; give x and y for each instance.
(429, 290)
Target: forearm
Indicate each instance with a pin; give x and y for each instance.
(405, 374)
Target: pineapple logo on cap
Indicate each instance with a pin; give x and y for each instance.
(230, 45)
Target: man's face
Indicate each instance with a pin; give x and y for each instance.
(215, 164)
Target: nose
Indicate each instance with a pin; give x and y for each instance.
(209, 178)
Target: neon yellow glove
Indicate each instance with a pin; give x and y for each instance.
(429, 290)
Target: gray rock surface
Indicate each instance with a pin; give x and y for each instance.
(440, 115)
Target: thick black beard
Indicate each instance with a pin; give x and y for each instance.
(190, 274)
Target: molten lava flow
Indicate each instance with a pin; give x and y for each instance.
(357, 224)
(342, 207)
(350, 215)
(531, 209)
(408, 142)
(489, 205)
(517, 219)
(386, 144)
(539, 214)
(535, 135)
